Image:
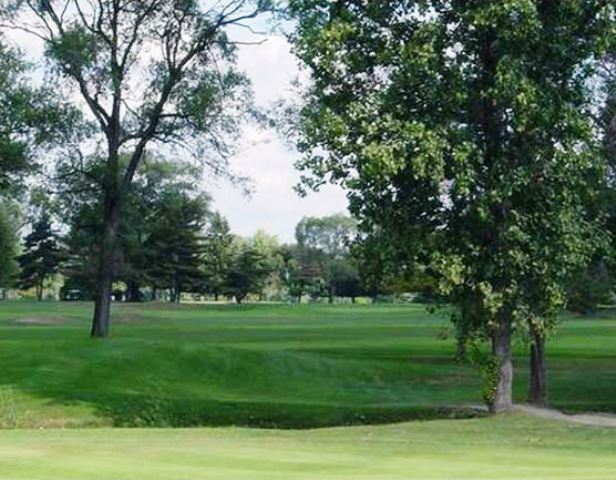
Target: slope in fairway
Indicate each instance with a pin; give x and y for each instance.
(512, 447)
(265, 365)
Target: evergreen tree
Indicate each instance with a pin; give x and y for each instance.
(175, 247)
(248, 274)
(218, 254)
(41, 258)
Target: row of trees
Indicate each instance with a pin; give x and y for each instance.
(172, 243)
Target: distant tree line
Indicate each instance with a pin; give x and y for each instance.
(173, 245)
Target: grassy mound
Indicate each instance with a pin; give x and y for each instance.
(265, 365)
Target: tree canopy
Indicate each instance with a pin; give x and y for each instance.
(462, 130)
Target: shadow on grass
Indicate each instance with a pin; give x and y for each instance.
(146, 411)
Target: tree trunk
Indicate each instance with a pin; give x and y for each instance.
(537, 392)
(133, 294)
(102, 298)
(215, 295)
(39, 291)
(501, 349)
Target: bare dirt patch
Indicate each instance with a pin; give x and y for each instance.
(40, 321)
(595, 419)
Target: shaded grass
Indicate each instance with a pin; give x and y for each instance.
(268, 365)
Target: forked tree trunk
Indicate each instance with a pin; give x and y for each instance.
(101, 320)
(537, 392)
(501, 349)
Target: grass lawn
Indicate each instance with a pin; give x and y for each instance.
(510, 447)
(264, 365)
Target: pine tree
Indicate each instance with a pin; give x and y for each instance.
(248, 274)
(41, 258)
(174, 249)
(218, 255)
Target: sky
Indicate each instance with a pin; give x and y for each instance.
(263, 155)
(267, 159)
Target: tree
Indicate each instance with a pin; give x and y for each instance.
(301, 271)
(248, 273)
(41, 258)
(8, 249)
(330, 235)
(218, 254)
(173, 251)
(461, 130)
(323, 245)
(343, 279)
(31, 118)
(188, 93)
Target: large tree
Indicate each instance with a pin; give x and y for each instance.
(148, 72)
(461, 130)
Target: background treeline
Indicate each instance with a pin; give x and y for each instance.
(173, 246)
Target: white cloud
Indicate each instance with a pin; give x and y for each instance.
(267, 159)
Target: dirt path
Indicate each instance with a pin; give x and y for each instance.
(596, 419)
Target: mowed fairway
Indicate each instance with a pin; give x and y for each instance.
(513, 447)
(273, 366)
(227, 368)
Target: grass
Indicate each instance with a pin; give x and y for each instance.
(265, 365)
(283, 366)
(510, 447)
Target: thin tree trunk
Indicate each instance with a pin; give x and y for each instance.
(133, 294)
(39, 291)
(537, 392)
(101, 320)
(216, 295)
(501, 349)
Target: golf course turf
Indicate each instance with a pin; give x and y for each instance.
(289, 368)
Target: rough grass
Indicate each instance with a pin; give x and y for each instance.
(265, 365)
(505, 448)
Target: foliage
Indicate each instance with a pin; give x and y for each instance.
(8, 247)
(248, 273)
(468, 144)
(189, 94)
(41, 258)
(219, 247)
(174, 247)
(32, 119)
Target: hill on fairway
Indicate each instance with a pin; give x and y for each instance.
(265, 365)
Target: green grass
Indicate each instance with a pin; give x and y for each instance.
(510, 447)
(265, 365)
